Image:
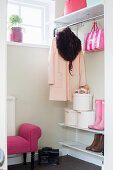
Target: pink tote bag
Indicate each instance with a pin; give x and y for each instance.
(74, 5)
(94, 40)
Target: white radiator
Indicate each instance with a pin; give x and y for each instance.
(11, 116)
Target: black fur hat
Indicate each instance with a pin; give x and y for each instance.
(69, 45)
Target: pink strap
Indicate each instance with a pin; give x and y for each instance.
(91, 43)
(86, 42)
(95, 27)
(95, 44)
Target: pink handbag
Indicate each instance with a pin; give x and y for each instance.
(94, 40)
(74, 5)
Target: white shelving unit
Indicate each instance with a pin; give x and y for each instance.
(77, 17)
(82, 15)
(80, 147)
(84, 129)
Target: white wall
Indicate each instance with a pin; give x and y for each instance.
(28, 82)
(59, 7)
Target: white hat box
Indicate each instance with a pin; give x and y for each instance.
(86, 118)
(82, 102)
(70, 117)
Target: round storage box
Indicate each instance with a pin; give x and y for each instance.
(70, 117)
(86, 118)
(82, 102)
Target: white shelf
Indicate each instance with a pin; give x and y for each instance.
(84, 129)
(81, 147)
(27, 45)
(81, 15)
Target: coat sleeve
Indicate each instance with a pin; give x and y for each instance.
(51, 64)
(83, 81)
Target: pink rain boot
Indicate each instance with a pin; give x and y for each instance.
(100, 126)
(98, 106)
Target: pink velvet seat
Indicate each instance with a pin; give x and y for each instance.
(27, 141)
(17, 144)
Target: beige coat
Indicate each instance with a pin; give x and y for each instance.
(62, 84)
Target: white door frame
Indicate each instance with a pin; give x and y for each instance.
(108, 159)
(3, 64)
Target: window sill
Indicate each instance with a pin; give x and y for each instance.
(27, 45)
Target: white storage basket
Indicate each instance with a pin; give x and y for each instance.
(70, 117)
(86, 118)
(82, 102)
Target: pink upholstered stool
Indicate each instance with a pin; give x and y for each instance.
(27, 141)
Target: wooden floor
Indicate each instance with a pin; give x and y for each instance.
(66, 163)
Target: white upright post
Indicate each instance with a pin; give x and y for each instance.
(3, 124)
(108, 159)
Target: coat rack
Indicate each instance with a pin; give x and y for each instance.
(77, 23)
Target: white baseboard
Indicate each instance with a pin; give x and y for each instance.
(15, 159)
(18, 159)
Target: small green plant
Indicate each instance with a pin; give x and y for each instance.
(15, 21)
